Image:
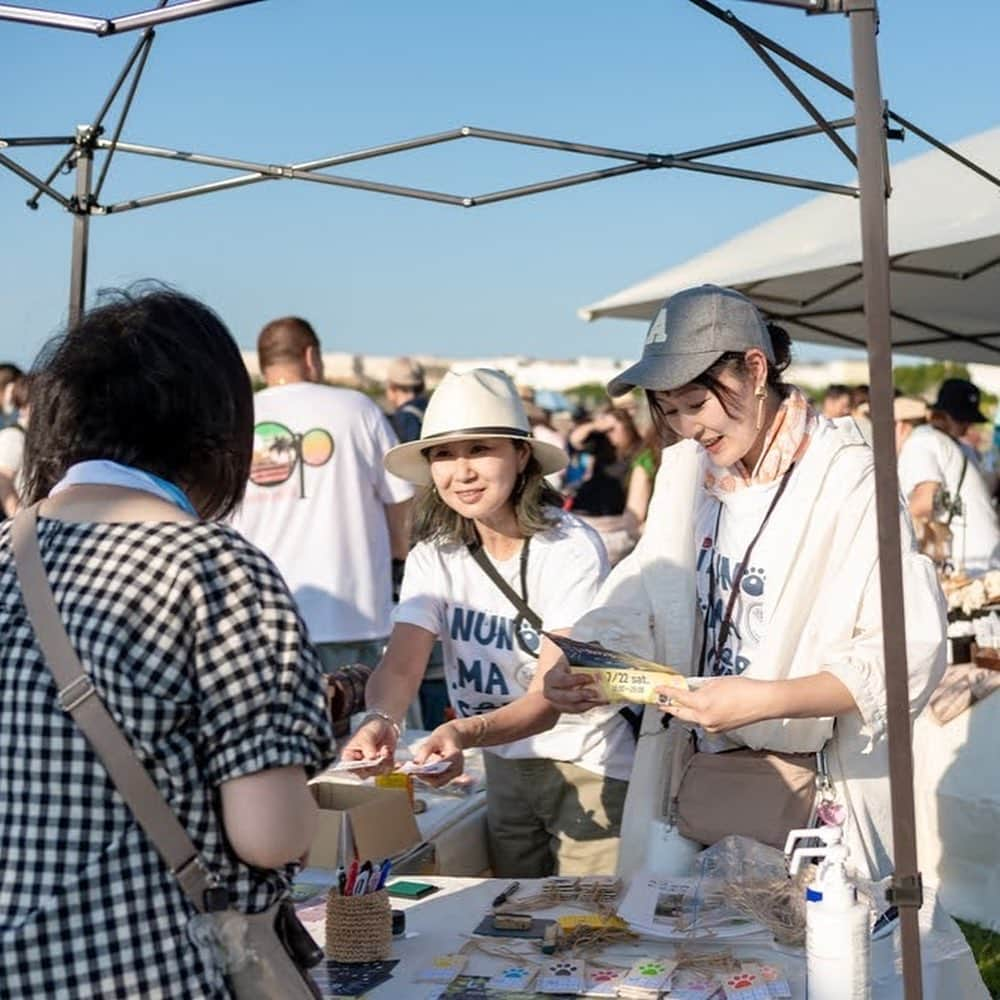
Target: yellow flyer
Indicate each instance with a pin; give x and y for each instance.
(618, 676)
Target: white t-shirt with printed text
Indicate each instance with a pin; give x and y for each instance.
(742, 512)
(447, 593)
(931, 456)
(315, 505)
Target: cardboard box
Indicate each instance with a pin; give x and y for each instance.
(378, 823)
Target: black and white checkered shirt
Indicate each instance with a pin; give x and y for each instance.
(193, 642)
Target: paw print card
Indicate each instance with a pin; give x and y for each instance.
(746, 985)
(649, 977)
(442, 969)
(690, 985)
(602, 982)
(775, 978)
(514, 978)
(565, 975)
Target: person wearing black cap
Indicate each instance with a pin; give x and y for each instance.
(943, 486)
(758, 576)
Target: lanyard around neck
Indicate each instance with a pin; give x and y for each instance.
(725, 626)
(520, 601)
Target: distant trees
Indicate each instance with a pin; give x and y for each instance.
(922, 380)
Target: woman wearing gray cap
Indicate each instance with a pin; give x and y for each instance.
(758, 574)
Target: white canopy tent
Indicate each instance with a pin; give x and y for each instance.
(803, 268)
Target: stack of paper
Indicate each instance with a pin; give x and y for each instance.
(682, 909)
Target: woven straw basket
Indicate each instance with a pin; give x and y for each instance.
(358, 928)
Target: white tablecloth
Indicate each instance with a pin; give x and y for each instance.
(957, 805)
(442, 923)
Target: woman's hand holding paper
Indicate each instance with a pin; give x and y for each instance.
(720, 703)
(569, 692)
(375, 742)
(444, 744)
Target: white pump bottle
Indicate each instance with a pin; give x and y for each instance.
(838, 924)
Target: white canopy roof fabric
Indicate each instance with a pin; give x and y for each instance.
(803, 268)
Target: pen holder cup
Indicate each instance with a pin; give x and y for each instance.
(358, 928)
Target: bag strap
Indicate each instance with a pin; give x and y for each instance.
(726, 625)
(80, 700)
(956, 503)
(633, 718)
(521, 603)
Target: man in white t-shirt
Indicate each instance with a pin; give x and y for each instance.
(319, 501)
(940, 480)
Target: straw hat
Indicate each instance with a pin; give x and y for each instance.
(481, 403)
(908, 408)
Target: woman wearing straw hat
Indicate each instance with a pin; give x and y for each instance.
(496, 560)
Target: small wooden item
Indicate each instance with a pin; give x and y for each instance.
(551, 940)
(512, 921)
(985, 657)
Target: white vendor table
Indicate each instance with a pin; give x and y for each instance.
(442, 923)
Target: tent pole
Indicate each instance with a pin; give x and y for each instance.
(906, 890)
(81, 222)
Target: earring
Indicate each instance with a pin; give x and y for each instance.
(761, 394)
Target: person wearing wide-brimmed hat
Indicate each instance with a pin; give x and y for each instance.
(942, 482)
(758, 570)
(495, 551)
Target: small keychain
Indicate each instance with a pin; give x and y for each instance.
(829, 812)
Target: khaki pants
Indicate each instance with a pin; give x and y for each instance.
(548, 817)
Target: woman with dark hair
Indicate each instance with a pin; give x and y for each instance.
(140, 439)
(496, 560)
(636, 459)
(600, 499)
(758, 573)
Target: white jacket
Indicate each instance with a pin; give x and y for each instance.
(827, 616)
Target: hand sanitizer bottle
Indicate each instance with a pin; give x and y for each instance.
(838, 924)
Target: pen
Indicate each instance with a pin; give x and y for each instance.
(506, 894)
(383, 873)
(361, 883)
(352, 874)
(341, 879)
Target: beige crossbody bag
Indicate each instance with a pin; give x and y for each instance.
(267, 953)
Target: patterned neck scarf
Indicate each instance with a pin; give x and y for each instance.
(786, 441)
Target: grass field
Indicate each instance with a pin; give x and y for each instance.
(985, 946)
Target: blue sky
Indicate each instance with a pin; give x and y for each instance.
(292, 80)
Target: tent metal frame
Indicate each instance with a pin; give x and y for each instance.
(871, 120)
(105, 26)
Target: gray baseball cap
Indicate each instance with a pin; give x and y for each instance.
(689, 333)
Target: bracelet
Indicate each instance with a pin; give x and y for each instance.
(377, 714)
(479, 721)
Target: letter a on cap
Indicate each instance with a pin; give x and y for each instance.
(658, 329)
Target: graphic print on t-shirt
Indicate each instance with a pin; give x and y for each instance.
(277, 450)
(494, 659)
(746, 630)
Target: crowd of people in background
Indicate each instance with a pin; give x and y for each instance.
(362, 557)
